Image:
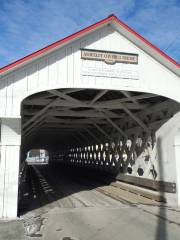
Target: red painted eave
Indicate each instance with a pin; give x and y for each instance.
(56, 44)
(84, 31)
(146, 41)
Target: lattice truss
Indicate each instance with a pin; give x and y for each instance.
(132, 157)
(110, 130)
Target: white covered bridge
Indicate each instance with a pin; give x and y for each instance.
(104, 98)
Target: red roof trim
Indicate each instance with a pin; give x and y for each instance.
(55, 44)
(146, 41)
(83, 31)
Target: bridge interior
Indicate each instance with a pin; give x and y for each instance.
(102, 129)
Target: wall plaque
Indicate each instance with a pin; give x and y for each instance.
(110, 73)
(109, 57)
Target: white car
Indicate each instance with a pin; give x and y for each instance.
(37, 156)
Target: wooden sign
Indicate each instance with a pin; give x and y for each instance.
(109, 57)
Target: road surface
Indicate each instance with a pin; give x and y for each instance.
(64, 206)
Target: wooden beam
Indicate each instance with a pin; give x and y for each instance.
(38, 114)
(98, 96)
(102, 131)
(150, 184)
(115, 126)
(84, 137)
(77, 140)
(32, 129)
(109, 103)
(64, 131)
(92, 135)
(83, 113)
(123, 100)
(167, 104)
(33, 125)
(75, 121)
(133, 116)
(129, 96)
(76, 114)
(64, 96)
(72, 90)
(64, 125)
(64, 104)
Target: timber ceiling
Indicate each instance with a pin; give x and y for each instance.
(71, 116)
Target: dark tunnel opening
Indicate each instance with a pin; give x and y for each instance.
(88, 133)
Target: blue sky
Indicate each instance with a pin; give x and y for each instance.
(28, 25)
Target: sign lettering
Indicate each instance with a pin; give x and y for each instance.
(109, 57)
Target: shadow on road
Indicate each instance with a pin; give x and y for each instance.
(45, 184)
(49, 183)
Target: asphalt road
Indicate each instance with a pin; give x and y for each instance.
(63, 206)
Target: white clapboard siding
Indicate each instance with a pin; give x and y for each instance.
(9, 166)
(63, 68)
(9, 185)
(10, 131)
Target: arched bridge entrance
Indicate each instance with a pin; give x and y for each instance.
(103, 98)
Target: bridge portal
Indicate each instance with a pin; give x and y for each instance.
(103, 98)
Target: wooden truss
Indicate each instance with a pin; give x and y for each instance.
(99, 114)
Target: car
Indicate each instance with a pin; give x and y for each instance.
(37, 156)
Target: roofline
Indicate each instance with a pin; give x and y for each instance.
(146, 41)
(56, 44)
(81, 32)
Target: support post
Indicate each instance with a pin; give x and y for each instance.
(177, 158)
(9, 166)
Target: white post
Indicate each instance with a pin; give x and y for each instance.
(9, 166)
(168, 156)
(177, 157)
